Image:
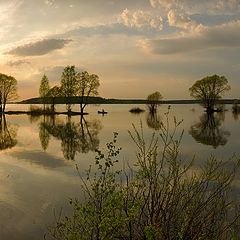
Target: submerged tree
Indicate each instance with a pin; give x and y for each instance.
(8, 90)
(88, 85)
(209, 131)
(69, 85)
(44, 89)
(153, 101)
(53, 93)
(209, 89)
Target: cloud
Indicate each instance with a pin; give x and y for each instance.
(40, 158)
(222, 36)
(182, 20)
(107, 30)
(39, 48)
(196, 6)
(49, 2)
(141, 19)
(166, 4)
(18, 63)
(8, 9)
(228, 4)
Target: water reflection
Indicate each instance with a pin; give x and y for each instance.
(235, 115)
(33, 118)
(209, 130)
(81, 136)
(44, 135)
(8, 134)
(153, 120)
(33, 182)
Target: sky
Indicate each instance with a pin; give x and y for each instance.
(136, 47)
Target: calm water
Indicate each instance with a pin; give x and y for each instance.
(38, 156)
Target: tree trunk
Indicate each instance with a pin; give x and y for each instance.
(4, 105)
(53, 104)
(81, 108)
(1, 110)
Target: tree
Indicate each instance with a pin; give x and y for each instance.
(69, 84)
(8, 90)
(209, 89)
(153, 101)
(53, 93)
(43, 89)
(88, 85)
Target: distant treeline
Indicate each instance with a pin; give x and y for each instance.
(100, 100)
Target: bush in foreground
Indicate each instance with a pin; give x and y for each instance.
(161, 199)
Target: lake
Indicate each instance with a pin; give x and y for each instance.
(38, 155)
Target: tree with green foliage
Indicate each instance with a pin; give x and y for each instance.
(153, 101)
(43, 89)
(209, 89)
(69, 84)
(8, 90)
(53, 93)
(88, 85)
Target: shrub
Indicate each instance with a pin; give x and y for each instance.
(162, 198)
(136, 110)
(35, 110)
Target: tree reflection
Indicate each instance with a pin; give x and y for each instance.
(154, 121)
(235, 115)
(44, 136)
(80, 137)
(209, 131)
(8, 134)
(33, 118)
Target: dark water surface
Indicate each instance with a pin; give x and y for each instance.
(38, 156)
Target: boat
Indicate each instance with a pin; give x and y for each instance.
(102, 112)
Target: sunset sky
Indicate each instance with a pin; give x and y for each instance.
(135, 46)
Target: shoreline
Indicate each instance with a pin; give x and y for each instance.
(122, 101)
